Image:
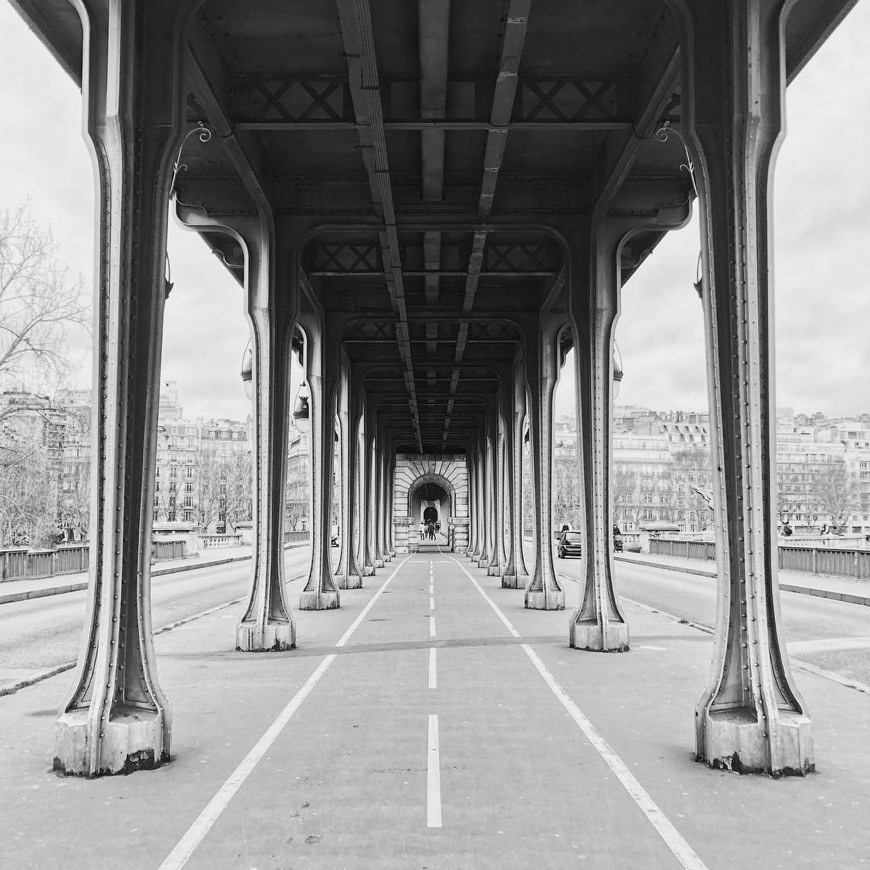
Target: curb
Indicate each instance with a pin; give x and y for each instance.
(845, 597)
(47, 591)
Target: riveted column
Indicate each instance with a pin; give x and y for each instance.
(750, 716)
(542, 374)
(516, 575)
(321, 375)
(382, 497)
(498, 558)
(357, 416)
(370, 490)
(486, 495)
(471, 463)
(598, 623)
(267, 623)
(115, 717)
(347, 573)
(376, 487)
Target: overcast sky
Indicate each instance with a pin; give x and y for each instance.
(822, 238)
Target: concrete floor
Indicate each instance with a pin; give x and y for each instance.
(349, 780)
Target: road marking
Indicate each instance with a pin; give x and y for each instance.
(682, 851)
(847, 682)
(433, 778)
(431, 626)
(433, 673)
(431, 602)
(655, 648)
(180, 855)
(828, 644)
(39, 676)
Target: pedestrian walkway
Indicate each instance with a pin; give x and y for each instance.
(434, 722)
(845, 589)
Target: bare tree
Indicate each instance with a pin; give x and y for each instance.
(836, 491)
(39, 306)
(238, 476)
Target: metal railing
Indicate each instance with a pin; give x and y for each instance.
(295, 537)
(683, 549)
(793, 556)
(209, 542)
(820, 560)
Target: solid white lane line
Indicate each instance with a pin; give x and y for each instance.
(180, 855)
(433, 673)
(433, 779)
(682, 851)
(431, 602)
(431, 626)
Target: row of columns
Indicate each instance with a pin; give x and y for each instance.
(115, 717)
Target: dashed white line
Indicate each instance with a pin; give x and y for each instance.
(180, 855)
(433, 778)
(681, 850)
(431, 626)
(433, 672)
(431, 602)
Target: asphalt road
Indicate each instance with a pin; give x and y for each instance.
(822, 632)
(46, 632)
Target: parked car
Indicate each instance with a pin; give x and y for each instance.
(570, 544)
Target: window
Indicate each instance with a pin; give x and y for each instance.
(173, 472)
(188, 471)
(188, 501)
(188, 487)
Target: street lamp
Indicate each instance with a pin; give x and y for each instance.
(617, 371)
(248, 371)
(302, 410)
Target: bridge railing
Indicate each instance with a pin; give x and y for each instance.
(793, 556)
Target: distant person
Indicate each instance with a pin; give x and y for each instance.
(824, 529)
(787, 531)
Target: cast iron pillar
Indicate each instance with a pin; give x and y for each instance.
(542, 374)
(598, 623)
(368, 501)
(471, 465)
(486, 496)
(321, 375)
(267, 623)
(115, 718)
(358, 480)
(498, 558)
(516, 575)
(750, 716)
(347, 574)
(383, 549)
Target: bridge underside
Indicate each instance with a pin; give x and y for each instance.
(431, 203)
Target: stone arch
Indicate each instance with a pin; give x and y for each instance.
(448, 475)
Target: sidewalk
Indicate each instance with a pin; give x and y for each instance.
(24, 590)
(843, 589)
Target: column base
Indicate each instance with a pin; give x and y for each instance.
(368, 571)
(132, 740)
(493, 571)
(388, 557)
(318, 600)
(540, 600)
(272, 637)
(351, 581)
(379, 563)
(515, 581)
(736, 740)
(483, 562)
(589, 636)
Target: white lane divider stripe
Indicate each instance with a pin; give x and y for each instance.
(433, 778)
(433, 673)
(431, 602)
(180, 855)
(682, 851)
(431, 626)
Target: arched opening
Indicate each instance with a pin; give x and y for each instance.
(430, 514)
(430, 508)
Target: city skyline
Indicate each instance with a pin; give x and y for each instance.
(822, 197)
